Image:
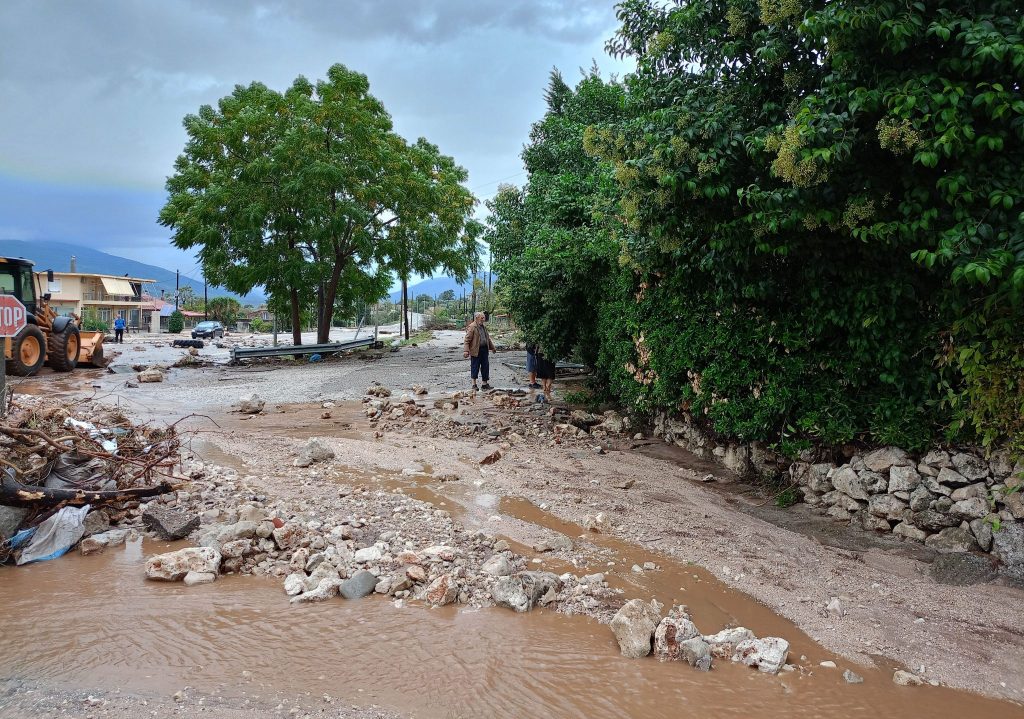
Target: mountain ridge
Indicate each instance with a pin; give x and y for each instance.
(56, 256)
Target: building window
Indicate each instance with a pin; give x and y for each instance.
(53, 287)
(105, 315)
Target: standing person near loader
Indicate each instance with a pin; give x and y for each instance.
(119, 329)
(546, 373)
(477, 348)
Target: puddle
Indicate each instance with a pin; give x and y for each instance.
(62, 625)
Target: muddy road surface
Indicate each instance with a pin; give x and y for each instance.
(89, 636)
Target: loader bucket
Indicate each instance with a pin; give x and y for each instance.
(92, 349)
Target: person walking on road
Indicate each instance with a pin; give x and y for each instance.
(477, 348)
(546, 374)
(119, 330)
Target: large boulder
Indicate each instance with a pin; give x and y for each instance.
(903, 479)
(251, 403)
(443, 590)
(1008, 546)
(312, 452)
(932, 521)
(969, 509)
(887, 506)
(360, 584)
(672, 631)
(724, 643)
(525, 590)
(10, 520)
(962, 568)
(634, 625)
(153, 374)
(168, 523)
(882, 459)
(173, 566)
(497, 566)
(767, 655)
(974, 468)
(952, 478)
(920, 498)
(952, 539)
(846, 481)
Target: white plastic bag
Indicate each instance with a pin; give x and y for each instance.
(55, 535)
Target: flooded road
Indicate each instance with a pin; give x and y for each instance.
(95, 622)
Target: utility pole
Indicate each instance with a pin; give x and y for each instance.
(177, 282)
(206, 300)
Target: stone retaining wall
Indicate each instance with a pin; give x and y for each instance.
(953, 501)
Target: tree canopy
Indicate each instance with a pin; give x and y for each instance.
(805, 218)
(311, 194)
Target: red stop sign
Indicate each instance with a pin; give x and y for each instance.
(12, 315)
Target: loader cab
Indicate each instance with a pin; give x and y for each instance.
(18, 279)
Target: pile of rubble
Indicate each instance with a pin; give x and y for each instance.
(639, 626)
(952, 502)
(359, 542)
(520, 416)
(59, 461)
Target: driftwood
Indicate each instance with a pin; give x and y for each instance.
(15, 494)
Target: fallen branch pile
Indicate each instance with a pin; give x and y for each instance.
(50, 458)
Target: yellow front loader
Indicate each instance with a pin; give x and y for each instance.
(59, 342)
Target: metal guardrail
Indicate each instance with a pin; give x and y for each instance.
(240, 353)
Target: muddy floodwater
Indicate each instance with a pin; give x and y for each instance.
(88, 622)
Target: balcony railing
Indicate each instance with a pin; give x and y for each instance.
(104, 297)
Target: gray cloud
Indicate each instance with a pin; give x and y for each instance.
(94, 92)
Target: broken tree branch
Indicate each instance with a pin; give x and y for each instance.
(16, 494)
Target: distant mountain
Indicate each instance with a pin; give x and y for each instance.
(436, 285)
(56, 256)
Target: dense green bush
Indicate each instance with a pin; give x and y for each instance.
(176, 322)
(799, 221)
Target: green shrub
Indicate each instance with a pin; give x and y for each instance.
(258, 325)
(176, 322)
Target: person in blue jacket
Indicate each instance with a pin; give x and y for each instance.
(119, 330)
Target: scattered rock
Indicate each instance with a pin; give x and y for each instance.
(153, 374)
(903, 529)
(906, 679)
(98, 542)
(367, 555)
(558, 542)
(294, 583)
(443, 590)
(173, 566)
(167, 523)
(497, 566)
(852, 677)
(634, 626)
(251, 404)
(724, 643)
(671, 632)
(314, 451)
(932, 521)
(596, 523)
(697, 653)
(508, 592)
(767, 655)
(194, 578)
(491, 458)
(325, 589)
(359, 585)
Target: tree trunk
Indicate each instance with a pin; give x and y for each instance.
(15, 494)
(293, 297)
(330, 295)
(405, 305)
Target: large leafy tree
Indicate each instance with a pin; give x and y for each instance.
(816, 209)
(301, 192)
(224, 309)
(550, 248)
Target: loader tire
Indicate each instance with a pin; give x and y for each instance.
(28, 352)
(65, 347)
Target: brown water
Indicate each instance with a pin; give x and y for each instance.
(95, 622)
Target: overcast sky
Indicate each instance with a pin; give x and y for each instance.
(92, 93)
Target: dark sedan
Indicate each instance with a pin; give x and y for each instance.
(208, 330)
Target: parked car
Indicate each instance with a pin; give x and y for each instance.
(208, 329)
